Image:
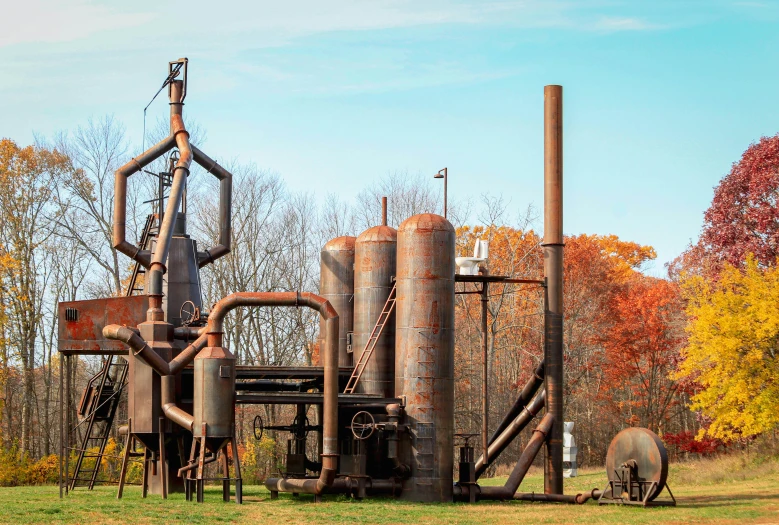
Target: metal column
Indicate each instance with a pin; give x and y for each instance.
(553, 273)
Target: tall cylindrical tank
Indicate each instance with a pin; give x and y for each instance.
(424, 352)
(336, 284)
(214, 395)
(375, 254)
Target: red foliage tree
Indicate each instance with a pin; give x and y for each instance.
(642, 347)
(744, 214)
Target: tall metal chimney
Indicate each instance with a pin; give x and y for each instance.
(553, 274)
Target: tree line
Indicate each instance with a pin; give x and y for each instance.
(636, 350)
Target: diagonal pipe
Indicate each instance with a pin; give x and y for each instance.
(514, 480)
(527, 393)
(511, 432)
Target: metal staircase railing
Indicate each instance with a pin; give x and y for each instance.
(97, 411)
(138, 269)
(370, 345)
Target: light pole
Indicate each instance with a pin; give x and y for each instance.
(442, 174)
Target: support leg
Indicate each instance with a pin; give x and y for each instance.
(163, 461)
(145, 478)
(201, 468)
(125, 460)
(226, 478)
(237, 471)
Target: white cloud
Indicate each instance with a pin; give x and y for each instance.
(613, 24)
(54, 21)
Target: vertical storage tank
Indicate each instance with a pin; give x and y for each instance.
(374, 269)
(424, 352)
(336, 284)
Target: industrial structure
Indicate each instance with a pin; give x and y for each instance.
(384, 392)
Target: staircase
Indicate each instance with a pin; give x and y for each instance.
(138, 269)
(97, 409)
(370, 345)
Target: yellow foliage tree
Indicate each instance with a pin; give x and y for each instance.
(732, 350)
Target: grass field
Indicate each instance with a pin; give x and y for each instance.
(730, 490)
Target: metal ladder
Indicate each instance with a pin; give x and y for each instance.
(98, 405)
(138, 269)
(370, 345)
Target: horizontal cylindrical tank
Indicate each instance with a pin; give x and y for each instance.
(214, 393)
(336, 284)
(424, 351)
(375, 255)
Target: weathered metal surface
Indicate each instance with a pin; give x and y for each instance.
(553, 272)
(336, 284)
(647, 450)
(424, 352)
(285, 372)
(85, 334)
(214, 399)
(182, 282)
(374, 268)
(312, 398)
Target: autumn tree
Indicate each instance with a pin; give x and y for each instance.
(27, 178)
(642, 346)
(743, 217)
(732, 349)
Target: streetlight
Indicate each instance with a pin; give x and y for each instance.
(442, 174)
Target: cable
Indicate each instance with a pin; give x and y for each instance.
(173, 74)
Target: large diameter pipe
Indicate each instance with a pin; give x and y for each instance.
(153, 359)
(510, 433)
(179, 184)
(330, 356)
(225, 208)
(120, 242)
(167, 370)
(527, 393)
(553, 272)
(523, 465)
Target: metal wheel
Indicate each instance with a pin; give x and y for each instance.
(259, 427)
(646, 450)
(300, 427)
(188, 313)
(363, 425)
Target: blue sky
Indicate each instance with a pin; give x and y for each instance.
(660, 96)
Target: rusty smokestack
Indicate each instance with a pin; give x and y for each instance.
(384, 211)
(553, 274)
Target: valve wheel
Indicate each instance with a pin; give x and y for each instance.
(300, 427)
(188, 313)
(259, 427)
(363, 425)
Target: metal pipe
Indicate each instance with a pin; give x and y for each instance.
(553, 273)
(120, 242)
(225, 208)
(180, 174)
(523, 465)
(527, 393)
(188, 332)
(141, 349)
(580, 498)
(511, 432)
(330, 394)
(169, 407)
(485, 401)
(384, 211)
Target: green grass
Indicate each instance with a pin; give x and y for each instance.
(729, 490)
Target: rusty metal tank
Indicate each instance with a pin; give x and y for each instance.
(214, 395)
(336, 284)
(424, 352)
(375, 255)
